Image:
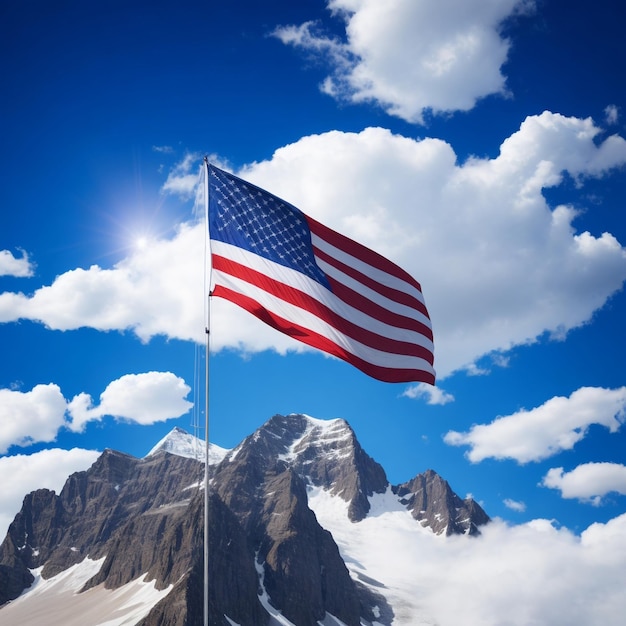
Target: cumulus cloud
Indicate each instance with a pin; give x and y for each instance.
(589, 482)
(30, 417)
(141, 398)
(499, 267)
(533, 435)
(47, 469)
(411, 57)
(514, 505)
(533, 573)
(529, 574)
(156, 290)
(433, 394)
(11, 265)
(38, 415)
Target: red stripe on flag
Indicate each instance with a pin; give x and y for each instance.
(305, 335)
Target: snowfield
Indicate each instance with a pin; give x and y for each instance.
(57, 600)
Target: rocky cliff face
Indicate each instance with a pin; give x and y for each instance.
(146, 516)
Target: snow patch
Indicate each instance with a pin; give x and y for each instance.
(322, 433)
(370, 548)
(276, 617)
(72, 579)
(57, 600)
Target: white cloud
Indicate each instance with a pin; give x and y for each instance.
(611, 113)
(529, 574)
(498, 265)
(142, 398)
(38, 415)
(410, 57)
(519, 575)
(10, 265)
(546, 430)
(30, 417)
(183, 179)
(47, 469)
(588, 482)
(156, 290)
(514, 505)
(433, 394)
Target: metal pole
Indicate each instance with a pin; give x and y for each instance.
(206, 399)
(206, 486)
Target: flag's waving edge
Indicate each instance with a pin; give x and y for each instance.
(316, 285)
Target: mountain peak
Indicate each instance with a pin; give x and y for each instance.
(325, 453)
(433, 503)
(182, 443)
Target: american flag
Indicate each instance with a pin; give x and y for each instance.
(315, 285)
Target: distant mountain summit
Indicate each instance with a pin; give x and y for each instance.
(181, 443)
(128, 533)
(432, 502)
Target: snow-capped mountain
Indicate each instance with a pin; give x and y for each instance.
(305, 529)
(181, 443)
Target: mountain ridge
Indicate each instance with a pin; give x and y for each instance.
(144, 518)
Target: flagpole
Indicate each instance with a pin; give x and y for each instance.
(207, 287)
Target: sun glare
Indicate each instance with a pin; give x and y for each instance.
(141, 243)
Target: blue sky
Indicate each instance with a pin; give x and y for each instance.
(481, 147)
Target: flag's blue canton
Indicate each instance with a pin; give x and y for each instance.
(250, 218)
